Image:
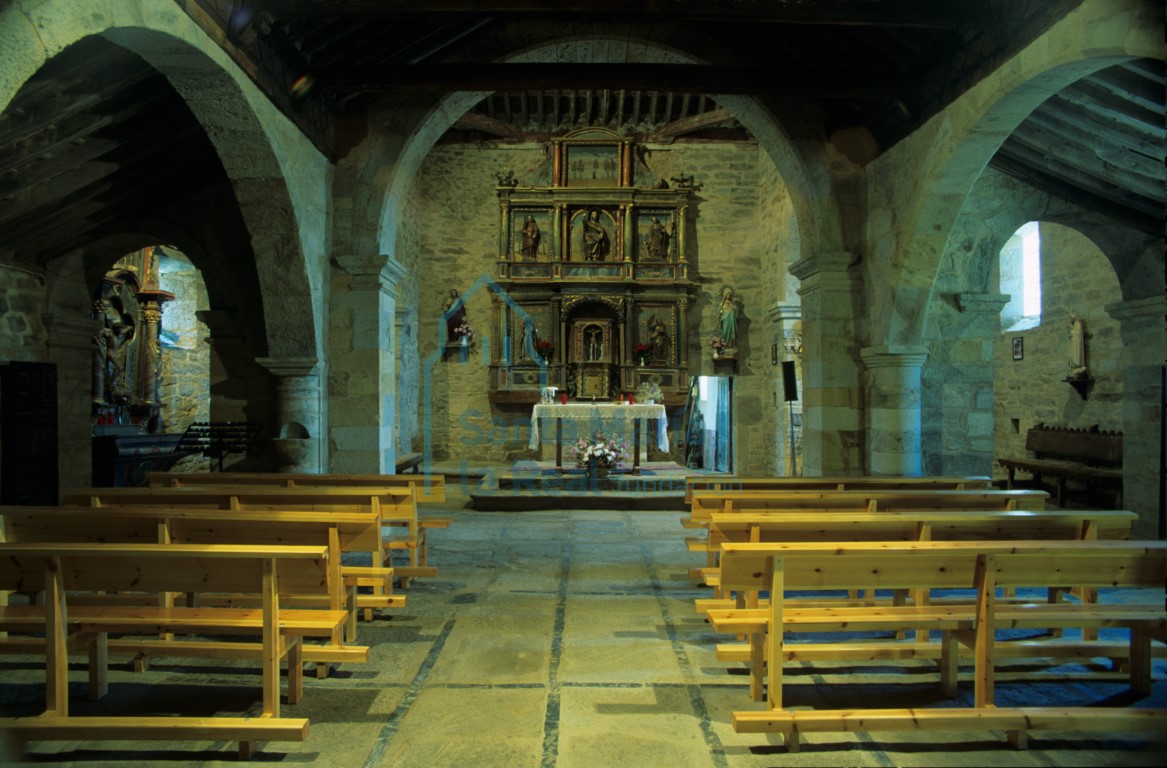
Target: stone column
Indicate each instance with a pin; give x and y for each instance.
(362, 366)
(70, 347)
(832, 432)
(893, 404)
(1144, 349)
(150, 357)
(958, 420)
(785, 320)
(298, 405)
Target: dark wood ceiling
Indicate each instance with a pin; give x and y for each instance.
(98, 139)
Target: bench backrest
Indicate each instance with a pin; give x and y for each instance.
(396, 502)
(1051, 524)
(165, 567)
(836, 483)
(943, 564)
(706, 502)
(355, 531)
(1089, 446)
(429, 488)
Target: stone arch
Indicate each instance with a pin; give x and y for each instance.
(956, 147)
(251, 139)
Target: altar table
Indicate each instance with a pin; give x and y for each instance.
(599, 412)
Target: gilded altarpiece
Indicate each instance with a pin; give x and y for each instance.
(595, 271)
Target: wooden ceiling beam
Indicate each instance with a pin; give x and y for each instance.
(1038, 178)
(680, 78)
(885, 13)
(690, 124)
(495, 127)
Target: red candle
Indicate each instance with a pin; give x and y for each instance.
(563, 398)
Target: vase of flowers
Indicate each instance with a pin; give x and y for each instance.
(718, 345)
(544, 349)
(649, 392)
(641, 351)
(463, 337)
(599, 454)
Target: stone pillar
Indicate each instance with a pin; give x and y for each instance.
(787, 335)
(297, 441)
(1144, 349)
(70, 348)
(362, 365)
(893, 404)
(958, 422)
(150, 357)
(832, 433)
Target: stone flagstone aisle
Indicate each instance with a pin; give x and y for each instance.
(553, 639)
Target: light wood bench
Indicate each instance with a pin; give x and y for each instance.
(983, 566)
(430, 488)
(341, 532)
(58, 569)
(705, 503)
(795, 527)
(406, 462)
(834, 483)
(395, 504)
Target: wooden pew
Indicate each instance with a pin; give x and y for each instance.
(430, 488)
(834, 483)
(980, 565)
(705, 503)
(795, 527)
(395, 504)
(339, 531)
(58, 569)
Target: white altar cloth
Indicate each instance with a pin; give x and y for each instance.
(587, 412)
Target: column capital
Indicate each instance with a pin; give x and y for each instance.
(384, 266)
(828, 261)
(1155, 306)
(894, 356)
(285, 367)
(784, 313)
(981, 303)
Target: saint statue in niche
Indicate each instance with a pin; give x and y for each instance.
(454, 311)
(530, 232)
(595, 238)
(1077, 348)
(660, 337)
(595, 346)
(657, 242)
(727, 316)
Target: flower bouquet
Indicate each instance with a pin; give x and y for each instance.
(649, 392)
(544, 348)
(641, 351)
(464, 331)
(608, 452)
(718, 345)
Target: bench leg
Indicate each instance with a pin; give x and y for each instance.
(1018, 738)
(98, 666)
(949, 663)
(1140, 661)
(295, 670)
(757, 664)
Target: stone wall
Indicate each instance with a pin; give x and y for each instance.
(741, 232)
(1075, 277)
(22, 305)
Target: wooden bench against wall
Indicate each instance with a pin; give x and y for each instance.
(834, 483)
(983, 566)
(60, 569)
(1090, 457)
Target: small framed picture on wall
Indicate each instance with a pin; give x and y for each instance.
(1018, 348)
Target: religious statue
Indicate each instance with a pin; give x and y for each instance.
(1077, 348)
(595, 238)
(658, 241)
(454, 312)
(727, 316)
(530, 232)
(695, 442)
(660, 338)
(595, 347)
